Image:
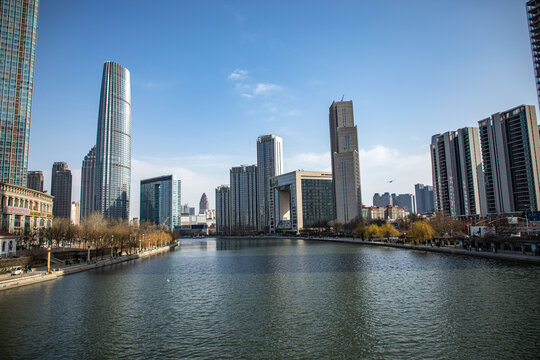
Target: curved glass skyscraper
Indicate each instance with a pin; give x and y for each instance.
(113, 145)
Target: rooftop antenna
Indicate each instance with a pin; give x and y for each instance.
(342, 97)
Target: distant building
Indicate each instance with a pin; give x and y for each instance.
(269, 164)
(61, 190)
(406, 201)
(161, 201)
(458, 181)
(23, 210)
(75, 213)
(203, 204)
(19, 25)
(210, 214)
(301, 199)
(382, 200)
(223, 208)
(88, 173)
(35, 180)
(425, 203)
(135, 223)
(533, 19)
(191, 211)
(376, 212)
(394, 212)
(345, 161)
(511, 156)
(244, 207)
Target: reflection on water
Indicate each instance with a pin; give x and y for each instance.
(280, 298)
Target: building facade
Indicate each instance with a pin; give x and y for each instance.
(223, 209)
(24, 211)
(301, 199)
(18, 33)
(35, 180)
(269, 164)
(511, 157)
(76, 213)
(204, 205)
(112, 184)
(383, 200)
(458, 180)
(61, 190)
(88, 173)
(244, 206)
(533, 20)
(345, 161)
(405, 201)
(161, 201)
(425, 203)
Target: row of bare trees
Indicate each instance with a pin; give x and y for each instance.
(98, 233)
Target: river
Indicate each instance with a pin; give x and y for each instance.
(264, 298)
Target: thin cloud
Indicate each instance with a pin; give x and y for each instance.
(266, 88)
(238, 75)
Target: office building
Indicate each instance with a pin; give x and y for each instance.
(35, 180)
(76, 213)
(511, 156)
(88, 173)
(161, 201)
(383, 200)
(345, 161)
(204, 205)
(18, 33)
(300, 200)
(61, 190)
(269, 164)
(458, 180)
(405, 201)
(112, 184)
(425, 203)
(191, 210)
(533, 20)
(244, 207)
(223, 209)
(24, 211)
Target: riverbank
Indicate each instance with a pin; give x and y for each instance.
(507, 256)
(38, 276)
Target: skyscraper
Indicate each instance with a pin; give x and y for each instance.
(345, 161)
(424, 199)
(203, 204)
(383, 200)
(61, 190)
(533, 19)
(113, 146)
(161, 201)
(458, 181)
(88, 173)
(244, 198)
(406, 201)
(223, 212)
(269, 164)
(35, 180)
(18, 32)
(511, 156)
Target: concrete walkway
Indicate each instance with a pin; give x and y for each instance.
(40, 274)
(508, 256)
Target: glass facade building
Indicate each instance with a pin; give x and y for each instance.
(18, 32)
(161, 201)
(88, 173)
(35, 180)
(113, 146)
(317, 201)
(244, 208)
(61, 181)
(269, 164)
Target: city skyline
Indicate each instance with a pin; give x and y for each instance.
(258, 94)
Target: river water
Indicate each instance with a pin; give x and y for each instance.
(278, 299)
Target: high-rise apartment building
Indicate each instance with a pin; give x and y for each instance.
(511, 156)
(425, 202)
(345, 161)
(204, 205)
(112, 182)
(88, 173)
(18, 33)
(533, 19)
(161, 201)
(269, 164)
(458, 180)
(35, 180)
(61, 190)
(244, 207)
(223, 209)
(383, 200)
(406, 201)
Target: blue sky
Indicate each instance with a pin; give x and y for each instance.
(208, 77)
